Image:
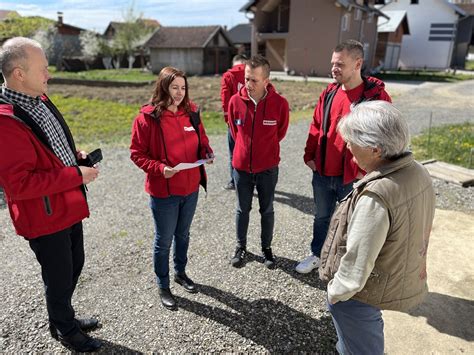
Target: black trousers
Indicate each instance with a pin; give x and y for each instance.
(61, 256)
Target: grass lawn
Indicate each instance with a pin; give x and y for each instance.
(470, 65)
(95, 122)
(134, 75)
(449, 143)
(423, 75)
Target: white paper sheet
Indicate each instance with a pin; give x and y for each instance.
(184, 166)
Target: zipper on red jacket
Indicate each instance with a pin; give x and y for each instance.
(251, 136)
(166, 157)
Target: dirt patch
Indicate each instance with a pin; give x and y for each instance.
(205, 91)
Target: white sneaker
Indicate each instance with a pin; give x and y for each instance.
(308, 264)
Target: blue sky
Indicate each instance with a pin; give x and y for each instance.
(95, 15)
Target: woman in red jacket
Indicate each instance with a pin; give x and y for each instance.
(168, 131)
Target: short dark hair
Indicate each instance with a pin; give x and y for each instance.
(239, 58)
(355, 48)
(259, 61)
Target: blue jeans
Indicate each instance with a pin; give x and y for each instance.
(327, 190)
(359, 328)
(173, 216)
(245, 183)
(230, 146)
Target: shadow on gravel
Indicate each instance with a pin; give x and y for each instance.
(302, 203)
(448, 314)
(311, 279)
(111, 348)
(269, 323)
(250, 258)
(288, 266)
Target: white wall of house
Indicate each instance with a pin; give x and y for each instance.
(432, 33)
(190, 60)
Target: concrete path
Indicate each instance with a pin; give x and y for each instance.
(444, 323)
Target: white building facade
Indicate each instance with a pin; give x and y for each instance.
(432, 32)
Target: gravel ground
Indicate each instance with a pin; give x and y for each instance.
(251, 309)
(447, 103)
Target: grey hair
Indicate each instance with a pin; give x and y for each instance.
(14, 51)
(376, 124)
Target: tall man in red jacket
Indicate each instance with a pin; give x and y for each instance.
(326, 153)
(44, 186)
(232, 81)
(258, 120)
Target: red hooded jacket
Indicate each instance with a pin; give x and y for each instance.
(232, 80)
(257, 130)
(324, 125)
(167, 141)
(43, 195)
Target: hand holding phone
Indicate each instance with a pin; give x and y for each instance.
(91, 159)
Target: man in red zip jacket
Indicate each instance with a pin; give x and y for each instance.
(326, 154)
(44, 186)
(258, 120)
(232, 81)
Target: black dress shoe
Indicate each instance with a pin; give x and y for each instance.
(83, 324)
(186, 282)
(87, 323)
(167, 299)
(80, 342)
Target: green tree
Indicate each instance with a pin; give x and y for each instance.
(47, 38)
(132, 33)
(15, 25)
(90, 46)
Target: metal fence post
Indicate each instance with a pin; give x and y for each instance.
(429, 135)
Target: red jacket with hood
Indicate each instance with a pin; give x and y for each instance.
(167, 141)
(257, 130)
(232, 81)
(323, 122)
(43, 195)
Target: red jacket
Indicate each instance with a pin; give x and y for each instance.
(257, 131)
(42, 194)
(167, 141)
(323, 123)
(232, 80)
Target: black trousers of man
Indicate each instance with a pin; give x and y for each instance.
(61, 256)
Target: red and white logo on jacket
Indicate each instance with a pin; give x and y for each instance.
(269, 122)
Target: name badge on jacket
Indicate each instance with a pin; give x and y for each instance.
(269, 122)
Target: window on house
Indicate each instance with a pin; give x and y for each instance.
(358, 15)
(366, 51)
(414, 2)
(345, 22)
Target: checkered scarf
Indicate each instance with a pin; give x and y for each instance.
(48, 123)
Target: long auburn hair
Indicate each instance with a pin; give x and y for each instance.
(161, 97)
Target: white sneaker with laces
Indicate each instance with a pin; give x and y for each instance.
(307, 265)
